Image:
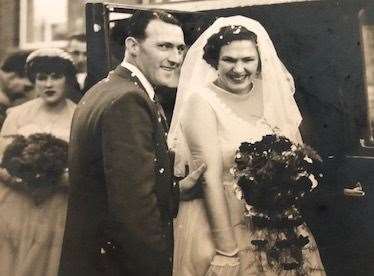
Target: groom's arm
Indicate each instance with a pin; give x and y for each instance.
(128, 148)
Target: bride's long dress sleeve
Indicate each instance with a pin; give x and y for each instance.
(200, 127)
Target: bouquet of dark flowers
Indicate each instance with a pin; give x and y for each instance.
(36, 164)
(274, 176)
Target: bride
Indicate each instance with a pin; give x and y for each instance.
(233, 88)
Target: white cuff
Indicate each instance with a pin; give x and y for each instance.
(220, 260)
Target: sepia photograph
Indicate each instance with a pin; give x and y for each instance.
(186, 138)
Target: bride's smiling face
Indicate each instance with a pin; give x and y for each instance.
(237, 66)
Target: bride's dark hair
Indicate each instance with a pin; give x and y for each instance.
(225, 36)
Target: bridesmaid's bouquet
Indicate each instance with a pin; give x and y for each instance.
(35, 164)
(273, 177)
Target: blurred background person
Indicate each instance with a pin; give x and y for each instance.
(77, 48)
(15, 87)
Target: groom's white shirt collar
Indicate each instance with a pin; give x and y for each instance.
(143, 80)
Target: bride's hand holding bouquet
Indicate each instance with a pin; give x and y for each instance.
(274, 176)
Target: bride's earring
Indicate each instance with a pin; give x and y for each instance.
(252, 85)
(259, 67)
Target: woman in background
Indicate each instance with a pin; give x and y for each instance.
(32, 213)
(52, 72)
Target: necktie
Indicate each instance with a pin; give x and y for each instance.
(161, 114)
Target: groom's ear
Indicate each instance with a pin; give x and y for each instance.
(132, 46)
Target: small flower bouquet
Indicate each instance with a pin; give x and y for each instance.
(35, 164)
(273, 177)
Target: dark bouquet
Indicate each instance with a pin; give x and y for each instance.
(35, 163)
(274, 176)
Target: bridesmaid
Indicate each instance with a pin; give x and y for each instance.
(32, 220)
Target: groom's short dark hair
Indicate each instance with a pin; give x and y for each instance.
(141, 18)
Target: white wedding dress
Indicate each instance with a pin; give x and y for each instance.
(215, 124)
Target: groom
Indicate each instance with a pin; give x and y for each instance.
(123, 197)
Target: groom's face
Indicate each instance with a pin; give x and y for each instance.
(161, 53)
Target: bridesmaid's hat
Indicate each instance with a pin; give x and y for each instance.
(49, 60)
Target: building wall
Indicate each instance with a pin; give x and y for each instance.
(9, 26)
(76, 22)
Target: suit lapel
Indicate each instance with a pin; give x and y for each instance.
(163, 154)
(128, 75)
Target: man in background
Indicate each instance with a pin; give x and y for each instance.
(77, 47)
(14, 84)
(15, 87)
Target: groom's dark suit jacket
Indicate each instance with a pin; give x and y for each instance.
(122, 201)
